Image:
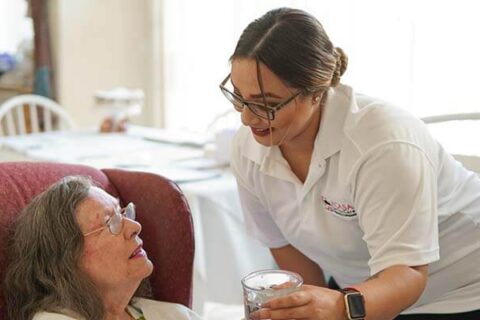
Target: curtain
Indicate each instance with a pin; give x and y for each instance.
(44, 79)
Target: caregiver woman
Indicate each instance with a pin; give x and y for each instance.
(337, 182)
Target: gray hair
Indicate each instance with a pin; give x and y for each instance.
(47, 244)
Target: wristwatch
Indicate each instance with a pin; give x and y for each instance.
(354, 304)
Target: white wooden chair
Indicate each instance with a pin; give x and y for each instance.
(452, 117)
(43, 115)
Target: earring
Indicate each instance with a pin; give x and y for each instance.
(316, 99)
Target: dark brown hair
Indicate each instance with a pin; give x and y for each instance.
(293, 45)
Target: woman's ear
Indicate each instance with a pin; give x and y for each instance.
(316, 98)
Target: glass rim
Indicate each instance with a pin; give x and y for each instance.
(267, 271)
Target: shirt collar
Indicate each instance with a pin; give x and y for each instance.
(340, 102)
(135, 312)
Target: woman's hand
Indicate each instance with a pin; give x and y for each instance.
(310, 302)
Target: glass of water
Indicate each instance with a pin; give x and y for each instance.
(261, 286)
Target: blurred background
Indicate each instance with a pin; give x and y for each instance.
(421, 55)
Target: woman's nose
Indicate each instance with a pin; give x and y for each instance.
(249, 118)
(131, 228)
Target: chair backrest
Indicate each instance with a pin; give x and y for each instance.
(167, 229)
(469, 161)
(32, 114)
(452, 117)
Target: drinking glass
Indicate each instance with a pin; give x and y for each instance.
(261, 286)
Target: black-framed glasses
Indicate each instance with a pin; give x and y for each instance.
(259, 109)
(114, 223)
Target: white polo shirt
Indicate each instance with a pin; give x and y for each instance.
(380, 191)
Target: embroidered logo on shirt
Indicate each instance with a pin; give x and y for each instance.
(344, 210)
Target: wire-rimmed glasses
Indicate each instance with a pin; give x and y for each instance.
(114, 223)
(259, 109)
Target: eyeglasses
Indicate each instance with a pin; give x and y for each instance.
(259, 109)
(114, 223)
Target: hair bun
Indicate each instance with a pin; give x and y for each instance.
(340, 66)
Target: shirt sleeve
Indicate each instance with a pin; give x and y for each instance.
(395, 195)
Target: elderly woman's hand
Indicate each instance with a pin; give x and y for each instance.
(310, 302)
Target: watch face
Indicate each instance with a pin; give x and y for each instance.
(356, 306)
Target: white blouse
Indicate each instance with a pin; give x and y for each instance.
(151, 309)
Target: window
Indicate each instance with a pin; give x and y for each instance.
(14, 25)
(420, 55)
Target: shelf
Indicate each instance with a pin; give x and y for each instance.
(16, 89)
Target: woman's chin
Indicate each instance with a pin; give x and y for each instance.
(264, 140)
(144, 270)
(149, 268)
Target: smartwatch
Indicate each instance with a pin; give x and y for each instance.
(354, 304)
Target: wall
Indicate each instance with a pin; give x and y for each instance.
(100, 44)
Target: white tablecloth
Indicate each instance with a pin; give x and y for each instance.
(224, 252)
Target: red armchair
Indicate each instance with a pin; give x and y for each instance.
(167, 229)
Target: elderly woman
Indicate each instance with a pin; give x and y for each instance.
(79, 256)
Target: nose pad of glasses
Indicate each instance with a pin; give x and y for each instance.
(248, 116)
